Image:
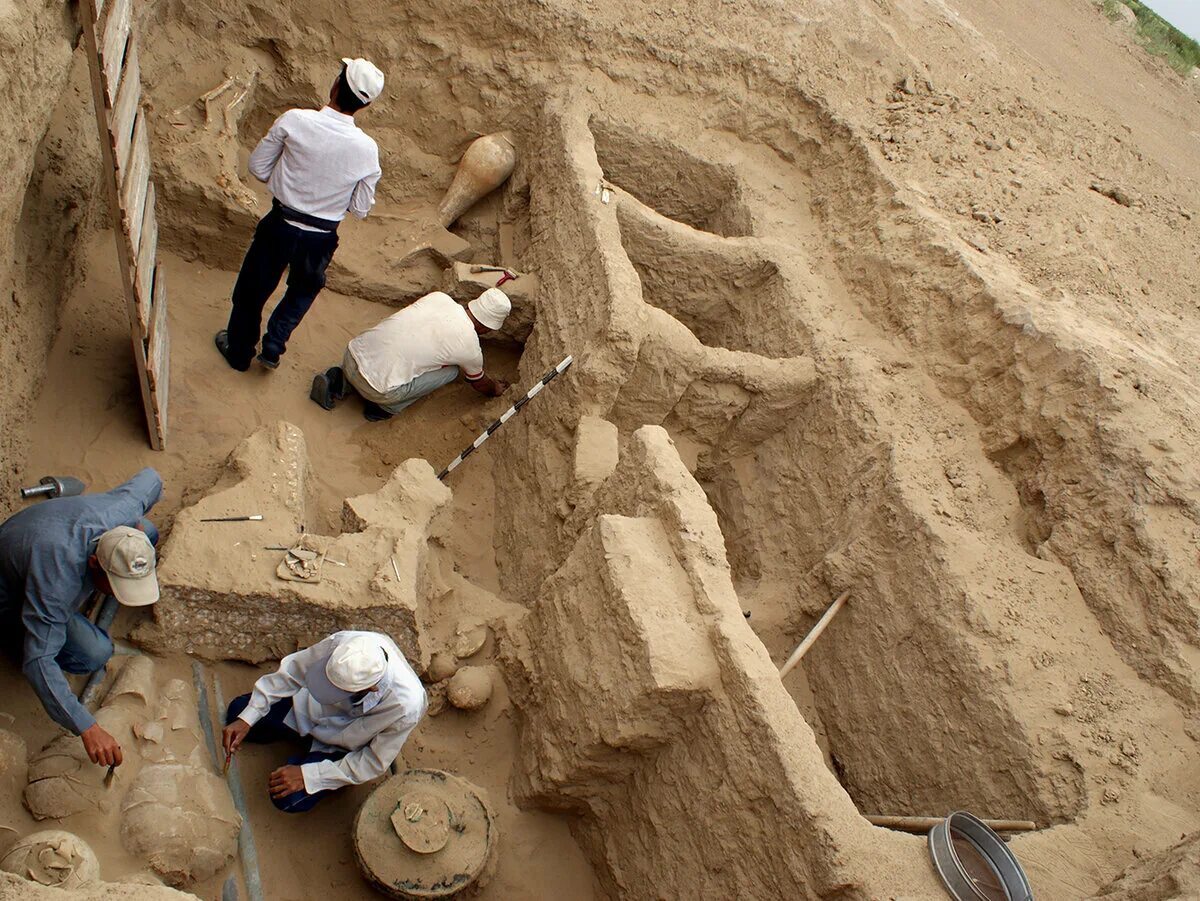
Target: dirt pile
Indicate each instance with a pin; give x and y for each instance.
(1173, 874)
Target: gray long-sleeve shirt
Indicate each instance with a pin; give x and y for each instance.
(44, 578)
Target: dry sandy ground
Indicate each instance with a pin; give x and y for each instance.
(89, 393)
(1010, 112)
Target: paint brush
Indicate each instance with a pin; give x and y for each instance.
(257, 517)
(110, 775)
(228, 760)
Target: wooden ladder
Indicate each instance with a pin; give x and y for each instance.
(112, 52)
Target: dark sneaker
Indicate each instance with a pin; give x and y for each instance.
(372, 412)
(269, 362)
(337, 382)
(221, 339)
(328, 387)
(321, 394)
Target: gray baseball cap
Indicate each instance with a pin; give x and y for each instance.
(127, 558)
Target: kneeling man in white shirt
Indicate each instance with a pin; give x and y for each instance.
(416, 351)
(353, 693)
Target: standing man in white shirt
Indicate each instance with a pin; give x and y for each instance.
(318, 165)
(353, 692)
(416, 351)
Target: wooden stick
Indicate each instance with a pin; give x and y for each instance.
(811, 637)
(924, 824)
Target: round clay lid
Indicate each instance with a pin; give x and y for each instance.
(422, 820)
(425, 834)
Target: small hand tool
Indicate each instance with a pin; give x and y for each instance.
(54, 486)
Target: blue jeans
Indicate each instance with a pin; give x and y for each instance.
(88, 647)
(397, 399)
(272, 728)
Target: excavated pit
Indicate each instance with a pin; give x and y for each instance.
(789, 381)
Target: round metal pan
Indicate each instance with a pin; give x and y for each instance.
(974, 863)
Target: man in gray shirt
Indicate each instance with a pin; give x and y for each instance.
(53, 556)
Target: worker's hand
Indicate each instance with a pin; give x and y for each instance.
(285, 781)
(101, 747)
(233, 735)
(500, 386)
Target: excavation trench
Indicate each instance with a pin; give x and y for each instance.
(821, 500)
(777, 395)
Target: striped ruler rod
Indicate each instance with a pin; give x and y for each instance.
(508, 414)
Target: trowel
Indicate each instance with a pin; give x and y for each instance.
(54, 486)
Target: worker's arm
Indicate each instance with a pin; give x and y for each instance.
(45, 635)
(43, 641)
(284, 682)
(471, 364)
(487, 385)
(264, 157)
(363, 197)
(364, 764)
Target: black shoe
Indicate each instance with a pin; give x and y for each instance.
(337, 382)
(372, 412)
(221, 339)
(269, 362)
(321, 394)
(328, 387)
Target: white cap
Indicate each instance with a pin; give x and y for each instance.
(127, 558)
(364, 78)
(491, 308)
(356, 664)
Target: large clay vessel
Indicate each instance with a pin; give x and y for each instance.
(484, 167)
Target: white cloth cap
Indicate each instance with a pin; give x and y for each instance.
(353, 666)
(127, 558)
(491, 308)
(364, 78)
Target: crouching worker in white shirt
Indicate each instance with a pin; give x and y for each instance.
(353, 693)
(416, 351)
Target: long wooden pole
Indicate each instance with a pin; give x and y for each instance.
(812, 636)
(924, 824)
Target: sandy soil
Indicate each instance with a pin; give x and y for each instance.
(910, 283)
(89, 392)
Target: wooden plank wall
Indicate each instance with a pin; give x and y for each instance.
(111, 43)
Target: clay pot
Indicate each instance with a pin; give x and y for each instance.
(53, 857)
(483, 168)
(471, 687)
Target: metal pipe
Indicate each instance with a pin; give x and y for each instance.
(254, 889)
(206, 725)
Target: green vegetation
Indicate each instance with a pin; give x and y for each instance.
(1159, 36)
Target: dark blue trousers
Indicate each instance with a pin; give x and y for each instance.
(271, 728)
(276, 246)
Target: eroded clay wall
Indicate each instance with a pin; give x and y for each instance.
(692, 761)
(50, 163)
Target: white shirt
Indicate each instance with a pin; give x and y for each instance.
(428, 334)
(320, 163)
(373, 730)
